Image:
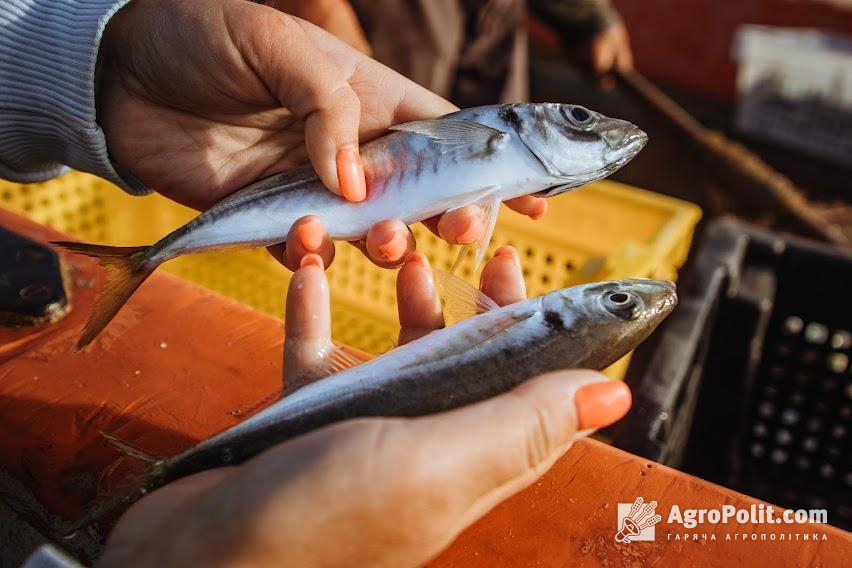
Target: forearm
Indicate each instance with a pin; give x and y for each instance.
(576, 20)
(48, 118)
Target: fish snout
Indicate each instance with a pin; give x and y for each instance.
(663, 299)
(623, 140)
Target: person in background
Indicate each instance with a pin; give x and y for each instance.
(472, 52)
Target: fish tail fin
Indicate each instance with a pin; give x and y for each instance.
(130, 490)
(126, 269)
(108, 507)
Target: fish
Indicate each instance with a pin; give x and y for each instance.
(587, 326)
(421, 169)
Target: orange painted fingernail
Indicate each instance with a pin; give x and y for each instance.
(311, 233)
(601, 404)
(393, 249)
(539, 213)
(509, 252)
(472, 232)
(350, 174)
(416, 257)
(311, 260)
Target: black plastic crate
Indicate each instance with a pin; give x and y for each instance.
(750, 385)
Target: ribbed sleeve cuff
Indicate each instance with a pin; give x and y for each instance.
(48, 54)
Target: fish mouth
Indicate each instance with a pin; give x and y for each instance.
(665, 300)
(631, 141)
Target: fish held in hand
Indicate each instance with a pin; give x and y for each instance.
(589, 326)
(480, 156)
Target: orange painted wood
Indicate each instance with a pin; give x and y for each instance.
(569, 518)
(177, 364)
(181, 363)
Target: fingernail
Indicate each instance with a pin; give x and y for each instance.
(601, 404)
(539, 213)
(508, 252)
(472, 232)
(393, 248)
(311, 260)
(350, 174)
(416, 257)
(311, 234)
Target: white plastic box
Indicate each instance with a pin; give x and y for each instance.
(795, 88)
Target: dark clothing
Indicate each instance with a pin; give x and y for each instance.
(473, 52)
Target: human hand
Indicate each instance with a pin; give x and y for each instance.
(608, 52)
(200, 99)
(370, 492)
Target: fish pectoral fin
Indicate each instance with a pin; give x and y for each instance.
(460, 300)
(462, 138)
(488, 200)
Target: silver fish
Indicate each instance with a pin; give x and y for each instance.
(588, 326)
(482, 156)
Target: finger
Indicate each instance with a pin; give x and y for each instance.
(307, 236)
(310, 85)
(388, 243)
(530, 205)
(307, 325)
(495, 448)
(399, 100)
(417, 299)
(603, 53)
(502, 277)
(625, 53)
(462, 226)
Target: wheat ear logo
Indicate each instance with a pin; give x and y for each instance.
(636, 522)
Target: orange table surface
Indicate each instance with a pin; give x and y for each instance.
(181, 363)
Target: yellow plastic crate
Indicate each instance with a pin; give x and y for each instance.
(601, 232)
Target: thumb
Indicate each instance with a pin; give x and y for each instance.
(315, 90)
(475, 457)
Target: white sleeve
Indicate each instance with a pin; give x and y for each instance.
(48, 54)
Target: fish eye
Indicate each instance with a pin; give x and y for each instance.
(578, 116)
(624, 305)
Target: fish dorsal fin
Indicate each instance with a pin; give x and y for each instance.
(330, 359)
(461, 138)
(488, 200)
(337, 360)
(460, 300)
